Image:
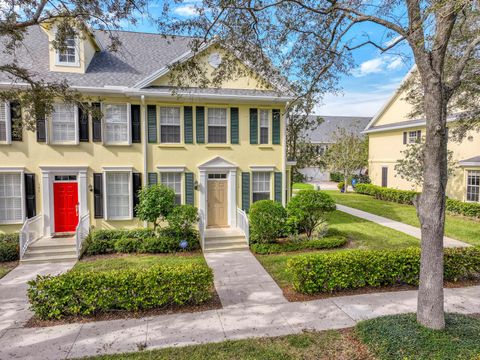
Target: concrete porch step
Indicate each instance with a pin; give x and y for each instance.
(35, 259)
(243, 246)
(224, 242)
(52, 251)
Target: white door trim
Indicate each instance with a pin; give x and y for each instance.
(48, 178)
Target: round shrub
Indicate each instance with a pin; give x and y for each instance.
(181, 220)
(307, 209)
(340, 185)
(267, 221)
(155, 203)
(9, 248)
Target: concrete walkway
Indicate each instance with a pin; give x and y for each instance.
(233, 322)
(13, 292)
(396, 225)
(240, 280)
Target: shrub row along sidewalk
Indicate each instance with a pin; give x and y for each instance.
(327, 272)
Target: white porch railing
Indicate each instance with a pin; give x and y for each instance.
(81, 232)
(31, 231)
(242, 223)
(201, 228)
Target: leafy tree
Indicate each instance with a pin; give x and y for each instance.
(17, 17)
(155, 203)
(182, 219)
(306, 210)
(411, 166)
(312, 42)
(347, 154)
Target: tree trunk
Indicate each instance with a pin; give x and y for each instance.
(345, 182)
(431, 207)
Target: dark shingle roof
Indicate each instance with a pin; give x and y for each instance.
(323, 134)
(473, 160)
(140, 55)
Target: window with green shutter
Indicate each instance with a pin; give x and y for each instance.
(152, 178)
(152, 123)
(253, 126)
(278, 187)
(234, 137)
(245, 191)
(200, 124)
(189, 188)
(276, 126)
(188, 124)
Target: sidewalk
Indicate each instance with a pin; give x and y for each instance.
(237, 322)
(396, 225)
(13, 292)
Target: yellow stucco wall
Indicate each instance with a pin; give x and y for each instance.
(395, 111)
(385, 149)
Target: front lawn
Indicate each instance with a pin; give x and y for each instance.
(456, 227)
(332, 344)
(361, 234)
(6, 267)
(400, 337)
(302, 186)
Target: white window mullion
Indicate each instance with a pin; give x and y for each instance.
(129, 124)
(5, 123)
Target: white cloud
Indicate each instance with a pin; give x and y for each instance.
(186, 10)
(378, 65)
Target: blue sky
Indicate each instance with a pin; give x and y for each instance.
(373, 80)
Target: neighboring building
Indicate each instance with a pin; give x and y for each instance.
(322, 137)
(219, 149)
(389, 132)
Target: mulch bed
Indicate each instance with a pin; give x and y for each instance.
(212, 304)
(293, 296)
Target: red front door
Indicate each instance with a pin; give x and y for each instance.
(65, 197)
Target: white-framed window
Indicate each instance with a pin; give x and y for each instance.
(4, 122)
(11, 198)
(174, 181)
(473, 185)
(64, 124)
(260, 186)
(217, 125)
(264, 125)
(118, 190)
(170, 124)
(413, 137)
(117, 124)
(69, 54)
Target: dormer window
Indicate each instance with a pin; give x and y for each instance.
(68, 55)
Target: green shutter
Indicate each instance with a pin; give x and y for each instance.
(152, 123)
(234, 126)
(200, 124)
(278, 186)
(276, 126)
(245, 191)
(253, 126)
(152, 179)
(189, 189)
(188, 124)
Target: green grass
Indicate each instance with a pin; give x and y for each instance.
(400, 337)
(361, 234)
(456, 227)
(5, 269)
(302, 186)
(131, 261)
(309, 346)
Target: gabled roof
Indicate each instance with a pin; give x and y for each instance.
(323, 134)
(474, 161)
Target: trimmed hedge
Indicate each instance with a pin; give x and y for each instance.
(89, 292)
(103, 241)
(354, 269)
(314, 244)
(9, 247)
(406, 197)
(463, 208)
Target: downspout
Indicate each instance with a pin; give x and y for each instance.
(284, 156)
(144, 145)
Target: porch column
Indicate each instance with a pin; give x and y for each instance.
(232, 197)
(202, 206)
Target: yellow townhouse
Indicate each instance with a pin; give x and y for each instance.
(392, 128)
(219, 149)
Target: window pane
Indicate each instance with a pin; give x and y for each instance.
(473, 185)
(217, 116)
(174, 182)
(261, 186)
(63, 123)
(217, 134)
(116, 123)
(169, 134)
(118, 194)
(169, 124)
(263, 135)
(68, 54)
(3, 121)
(10, 198)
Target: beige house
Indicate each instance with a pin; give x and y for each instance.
(389, 132)
(220, 149)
